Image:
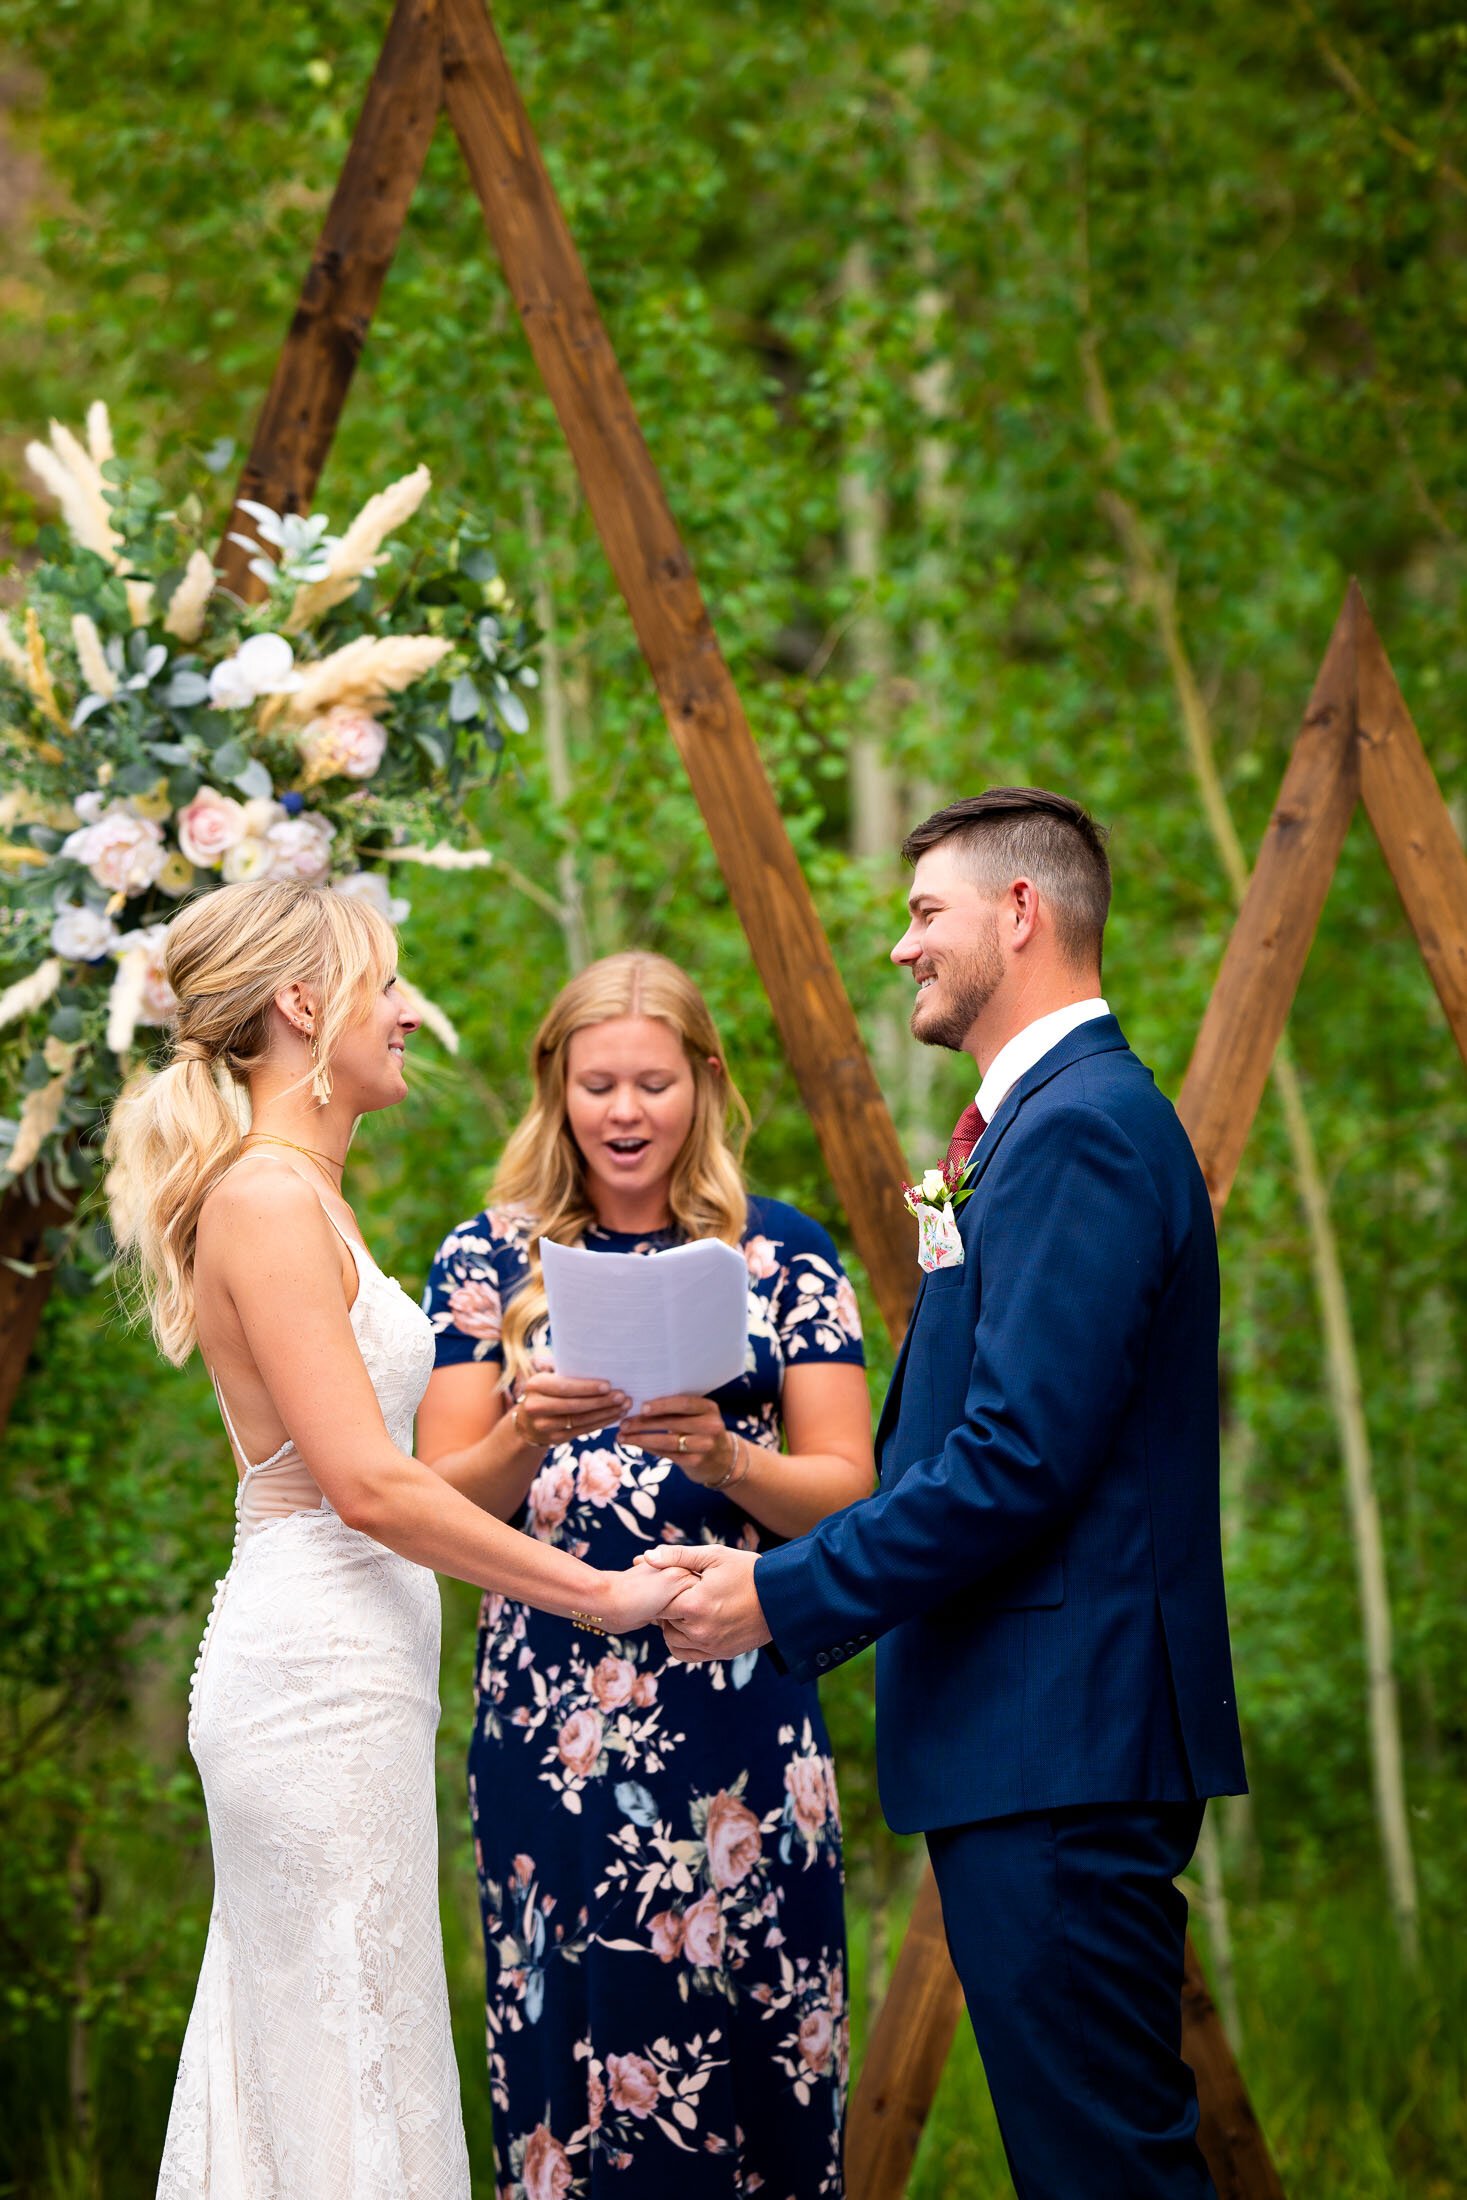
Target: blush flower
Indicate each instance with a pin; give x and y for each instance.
(81, 934)
(123, 852)
(633, 2082)
(645, 1691)
(815, 2036)
(703, 1932)
(550, 1496)
(209, 827)
(159, 1003)
(733, 1840)
(666, 1929)
(761, 1257)
(302, 846)
(546, 2169)
(612, 1682)
(342, 740)
(475, 1308)
(578, 1743)
(804, 1779)
(599, 1477)
(847, 1309)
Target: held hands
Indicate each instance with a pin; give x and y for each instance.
(687, 1430)
(714, 1611)
(639, 1595)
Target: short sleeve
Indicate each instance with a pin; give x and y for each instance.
(464, 1299)
(815, 1310)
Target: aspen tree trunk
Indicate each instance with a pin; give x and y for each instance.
(1153, 587)
(874, 814)
(931, 386)
(1219, 1927)
(557, 747)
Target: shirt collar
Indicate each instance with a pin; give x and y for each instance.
(1029, 1046)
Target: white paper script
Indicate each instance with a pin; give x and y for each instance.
(653, 1324)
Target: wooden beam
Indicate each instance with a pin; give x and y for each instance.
(906, 2053)
(1270, 942)
(22, 1298)
(1228, 2133)
(1414, 827)
(344, 281)
(652, 568)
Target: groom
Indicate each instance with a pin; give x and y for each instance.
(1042, 1561)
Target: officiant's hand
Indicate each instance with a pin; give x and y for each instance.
(555, 1409)
(687, 1430)
(716, 1612)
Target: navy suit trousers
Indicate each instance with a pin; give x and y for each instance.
(1068, 1935)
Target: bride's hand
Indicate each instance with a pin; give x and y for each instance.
(640, 1595)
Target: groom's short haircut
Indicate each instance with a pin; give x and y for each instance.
(1025, 832)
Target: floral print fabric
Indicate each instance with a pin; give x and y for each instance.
(658, 1845)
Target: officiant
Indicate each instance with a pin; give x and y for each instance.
(658, 1845)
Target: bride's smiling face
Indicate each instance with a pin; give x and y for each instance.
(629, 1099)
(369, 1059)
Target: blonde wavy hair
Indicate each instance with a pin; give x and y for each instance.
(174, 1131)
(542, 1173)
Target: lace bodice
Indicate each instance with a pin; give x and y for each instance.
(395, 1340)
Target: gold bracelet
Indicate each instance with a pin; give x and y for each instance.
(589, 1621)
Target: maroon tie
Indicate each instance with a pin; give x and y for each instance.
(967, 1131)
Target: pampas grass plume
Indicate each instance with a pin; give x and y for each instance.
(185, 613)
(95, 670)
(363, 672)
(30, 992)
(354, 554)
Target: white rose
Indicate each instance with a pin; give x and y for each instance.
(301, 846)
(343, 740)
(372, 886)
(159, 1003)
(212, 823)
(123, 852)
(248, 858)
(81, 934)
(264, 665)
(89, 806)
(260, 813)
(932, 1183)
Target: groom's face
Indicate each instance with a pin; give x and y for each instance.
(951, 948)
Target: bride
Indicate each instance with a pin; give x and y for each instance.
(318, 2062)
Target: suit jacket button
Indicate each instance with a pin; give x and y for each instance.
(822, 1659)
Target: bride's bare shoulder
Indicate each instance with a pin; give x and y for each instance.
(262, 1193)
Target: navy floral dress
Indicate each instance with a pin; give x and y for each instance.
(658, 1845)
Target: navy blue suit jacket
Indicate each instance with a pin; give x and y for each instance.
(1043, 1558)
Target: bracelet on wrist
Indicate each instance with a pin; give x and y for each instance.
(736, 1474)
(589, 1621)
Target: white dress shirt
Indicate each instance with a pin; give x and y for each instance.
(1029, 1046)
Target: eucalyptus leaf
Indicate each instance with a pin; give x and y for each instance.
(231, 758)
(254, 781)
(480, 565)
(185, 689)
(512, 711)
(464, 701)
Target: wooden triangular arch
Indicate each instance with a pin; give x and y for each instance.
(1357, 738)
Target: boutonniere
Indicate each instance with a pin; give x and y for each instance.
(935, 1201)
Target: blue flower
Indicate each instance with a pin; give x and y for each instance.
(292, 803)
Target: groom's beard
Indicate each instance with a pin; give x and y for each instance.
(945, 1014)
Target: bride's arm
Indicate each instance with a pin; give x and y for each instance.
(278, 1260)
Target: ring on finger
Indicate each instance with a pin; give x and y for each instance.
(682, 1443)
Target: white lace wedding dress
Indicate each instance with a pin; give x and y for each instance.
(318, 2063)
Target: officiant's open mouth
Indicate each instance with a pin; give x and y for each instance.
(627, 1152)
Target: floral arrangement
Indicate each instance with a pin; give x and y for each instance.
(160, 737)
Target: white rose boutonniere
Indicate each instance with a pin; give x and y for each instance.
(935, 1201)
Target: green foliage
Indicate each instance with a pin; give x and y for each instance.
(1267, 268)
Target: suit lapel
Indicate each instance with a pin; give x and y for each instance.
(1102, 1035)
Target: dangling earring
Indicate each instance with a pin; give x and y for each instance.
(320, 1078)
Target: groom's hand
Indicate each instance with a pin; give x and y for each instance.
(717, 1613)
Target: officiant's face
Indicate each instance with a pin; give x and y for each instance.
(950, 947)
(629, 1101)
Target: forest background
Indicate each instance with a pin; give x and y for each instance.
(1027, 381)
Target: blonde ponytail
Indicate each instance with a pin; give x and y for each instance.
(175, 1131)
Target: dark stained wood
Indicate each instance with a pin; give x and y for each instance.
(653, 571)
(1229, 2133)
(1270, 942)
(344, 282)
(22, 1298)
(1414, 827)
(905, 2055)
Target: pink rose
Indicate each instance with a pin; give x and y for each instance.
(301, 846)
(523, 1868)
(847, 1308)
(123, 852)
(761, 1258)
(546, 2170)
(578, 1743)
(815, 2031)
(599, 1477)
(342, 740)
(595, 2098)
(476, 1310)
(703, 1932)
(733, 1840)
(612, 1682)
(645, 1691)
(211, 823)
(633, 2083)
(804, 1778)
(667, 1935)
(550, 1496)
